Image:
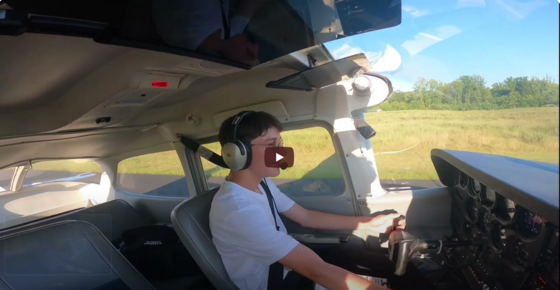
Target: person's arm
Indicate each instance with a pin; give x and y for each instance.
(304, 261)
(325, 221)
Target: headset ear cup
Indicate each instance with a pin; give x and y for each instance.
(241, 147)
(231, 153)
(248, 154)
(245, 156)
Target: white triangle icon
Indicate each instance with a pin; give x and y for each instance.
(279, 157)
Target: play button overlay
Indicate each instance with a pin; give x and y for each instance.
(279, 157)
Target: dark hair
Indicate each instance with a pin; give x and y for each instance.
(253, 125)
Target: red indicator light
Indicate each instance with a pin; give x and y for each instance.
(160, 84)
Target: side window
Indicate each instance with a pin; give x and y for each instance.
(316, 170)
(67, 170)
(6, 178)
(155, 174)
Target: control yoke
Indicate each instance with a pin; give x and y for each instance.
(404, 246)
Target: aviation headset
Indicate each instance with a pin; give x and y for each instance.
(237, 154)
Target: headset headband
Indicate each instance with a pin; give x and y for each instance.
(235, 123)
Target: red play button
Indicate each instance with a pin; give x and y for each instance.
(279, 157)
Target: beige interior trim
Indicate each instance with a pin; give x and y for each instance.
(41, 201)
(275, 108)
(18, 177)
(43, 214)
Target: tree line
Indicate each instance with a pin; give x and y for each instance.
(471, 93)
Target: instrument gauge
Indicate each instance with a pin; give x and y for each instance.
(472, 210)
(486, 220)
(463, 180)
(505, 209)
(474, 188)
(529, 224)
(497, 236)
(488, 198)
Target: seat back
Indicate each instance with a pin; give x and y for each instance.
(65, 255)
(192, 223)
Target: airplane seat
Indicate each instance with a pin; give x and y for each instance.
(192, 223)
(65, 255)
(112, 218)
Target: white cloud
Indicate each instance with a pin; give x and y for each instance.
(415, 12)
(402, 85)
(403, 74)
(339, 52)
(470, 3)
(432, 37)
(419, 66)
(390, 60)
(426, 39)
(346, 50)
(520, 9)
(381, 61)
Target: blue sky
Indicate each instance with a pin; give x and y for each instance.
(443, 40)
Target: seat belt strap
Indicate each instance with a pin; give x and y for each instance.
(276, 279)
(276, 270)
(271, 202)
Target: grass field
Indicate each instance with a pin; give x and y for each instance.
(530, 133)
(522, 133)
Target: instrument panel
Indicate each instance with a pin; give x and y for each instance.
(515, 248)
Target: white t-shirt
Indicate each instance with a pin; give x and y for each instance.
(245, 235)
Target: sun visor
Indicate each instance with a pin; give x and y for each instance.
(324, 75)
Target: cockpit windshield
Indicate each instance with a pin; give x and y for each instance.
(471, 75)
(242, 32)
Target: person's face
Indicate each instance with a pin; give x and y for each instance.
(272, 138)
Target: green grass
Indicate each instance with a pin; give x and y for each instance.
(529, 133)
(75, 165)
(314, 156)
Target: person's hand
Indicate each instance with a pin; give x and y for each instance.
(384, 223)
(240, 49)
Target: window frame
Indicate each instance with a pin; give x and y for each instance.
(307, 124)
(21, 170)
(29, 166)
(15, 177)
